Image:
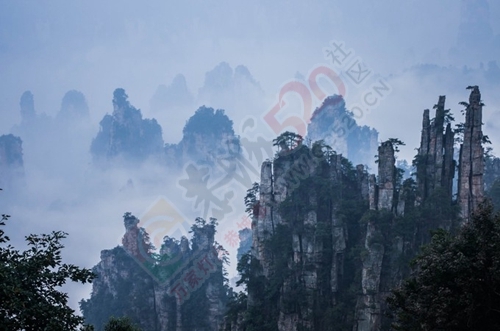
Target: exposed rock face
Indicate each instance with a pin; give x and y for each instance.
(383, 197)
(126, 135)
(316, 260)
(334, 124)
(471, 167)
(386, 176)
(384, 192)
(368, 314)
(319, 258)
(11, 163)
(158, 296)
(263, 220)
(435, 164)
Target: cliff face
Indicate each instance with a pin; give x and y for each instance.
(330, 241)
(435, 164)
(182, 288)
(471, 166)
(301, 236)
(334, 124)
(126, 135)
(11, 163)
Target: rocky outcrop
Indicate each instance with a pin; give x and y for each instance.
(384, 192)
(125, 135)
(434, 162)
(181, 289)
(471, 166)
(337, 127)
(386, 176)
(315, 259)
(383, 196)
(11, 163)
(368, 312)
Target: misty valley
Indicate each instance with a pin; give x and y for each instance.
(328, 244)
(249, 166)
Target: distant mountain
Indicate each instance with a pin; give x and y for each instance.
(208, 136)
(11, 163)
(336, 126)
(125, 135)
(27, 104)
(174, 97)
(236, 91)
(74, 107)
(223, 80)
(56, 146)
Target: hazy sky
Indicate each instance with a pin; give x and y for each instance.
(51, 46)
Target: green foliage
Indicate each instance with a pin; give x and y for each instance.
(464, 104)
(488, 154)
(136, 289)
(120, 324)
(288, 140)
(456, 281)
(448, 117)
(494, 194)
(459, 132)
(395, 142)
(283, 289)
(209, 121)
(485, 140)
(251, 199)
(332, 191)
(132, 291)
(30, 281)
